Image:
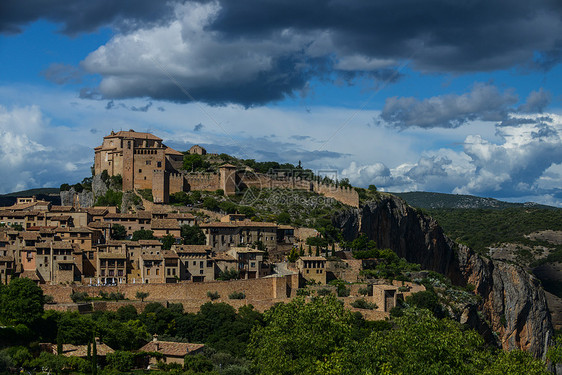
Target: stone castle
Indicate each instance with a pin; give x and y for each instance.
(144, 162)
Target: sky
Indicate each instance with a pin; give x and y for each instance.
(449, 96)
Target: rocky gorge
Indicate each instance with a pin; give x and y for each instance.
(513, 304)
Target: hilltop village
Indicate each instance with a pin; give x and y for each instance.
(174, 252)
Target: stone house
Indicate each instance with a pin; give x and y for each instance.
(196, 264)
(312, 268)
(152, 268)
(221, 236)
(248, 262)
(172, 352)
(197, 150)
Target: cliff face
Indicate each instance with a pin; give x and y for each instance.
(512, 300)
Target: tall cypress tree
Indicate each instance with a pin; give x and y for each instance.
(94, 357)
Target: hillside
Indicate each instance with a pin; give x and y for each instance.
(429, 200)
(48, 194)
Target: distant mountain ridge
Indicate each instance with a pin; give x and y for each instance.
(48, 194)
(429, 201)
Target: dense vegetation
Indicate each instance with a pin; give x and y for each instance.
(480, 228)
(315, 337)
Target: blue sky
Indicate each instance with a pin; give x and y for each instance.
(450, 97)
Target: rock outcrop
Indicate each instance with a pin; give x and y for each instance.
(513, 302)
(72, 198)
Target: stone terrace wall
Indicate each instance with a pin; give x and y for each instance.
(255, 290)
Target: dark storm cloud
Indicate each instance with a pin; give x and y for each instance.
(484, 102)
(78, 16)
(536, 102)
(283, 45)
(198, 127)
(438, 34)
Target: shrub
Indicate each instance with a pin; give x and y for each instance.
(142, 295)
(323, 292)
(228, 274)
(303, 292)
(362, 303)
(364, 291)
(213, 295)
(79, 297)
(237, 295)
(147, 194)
(49, 300)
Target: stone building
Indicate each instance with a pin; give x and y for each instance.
(142, 160)
(312, 268)
(196, 149)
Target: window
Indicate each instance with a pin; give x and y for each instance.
(111, 273)
(148, 162)
(157, 271)
(200, 272)
(91, 255)
(148, 271)
(168, 272)
(120, 273)
(159, 164)
(253, 264)
(140, 170)
(103, 272)
(201, 264)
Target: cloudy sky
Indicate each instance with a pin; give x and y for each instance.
(441, 95)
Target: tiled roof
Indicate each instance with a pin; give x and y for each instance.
(169, 254)
(171, 151)
(112, 256)
(31, 236)
(192, 248)
(62, 209)
(239, 224)
(181, 215)
(171, 349)
(97, 211)
(164, 224)
(69, 350)
(313, 258)
(150, 242)
(60, 218)
(99, 224)
(151, 257)
(133, 134)
(32, 275)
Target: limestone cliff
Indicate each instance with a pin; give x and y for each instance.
(513, 301)
(72, 198)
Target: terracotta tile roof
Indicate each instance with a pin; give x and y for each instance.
(151, 257)
(97, 211)
(133, 134)
(32, 275)
(164, 224)
(99, 225)
(169, 254)
(181, 215)
(313, 258)
(69, 350)
(171, 349)
(112, 256)
(171, 151)
(224, 257)
(239, 224)
(192, 248)
(30, 236)
(62, 209)
(6, 258)
(150, 242)
(60, 218)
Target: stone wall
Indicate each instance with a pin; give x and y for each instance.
(255, 290)
(202, 181)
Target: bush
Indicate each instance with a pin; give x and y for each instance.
(303, 292)
(228, 274)
(143, 234)
(79, 297)
(362, 303)
(237, 295)
(121, 360)
(147, 194)
(210, 204)
(213, 295)
(49, 300)
(323, 292)
(364, 291)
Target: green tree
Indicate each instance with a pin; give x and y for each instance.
(197, 363)
(195, 162)
(121, 360)
(141, 295)
(143, 234)
(284, 218)
(210, 203)
(167, 241)
(64, 187)
(21, 301)
(228, 207)
(298, 335)
(118, 232)
(192, 235)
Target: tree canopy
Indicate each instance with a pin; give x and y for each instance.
(21, 302)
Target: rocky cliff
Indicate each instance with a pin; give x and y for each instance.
(513, 302)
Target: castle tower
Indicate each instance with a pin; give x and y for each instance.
(227, 174)
(128, 164)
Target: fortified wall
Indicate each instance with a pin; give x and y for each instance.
(262, 289)
(243, 179)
